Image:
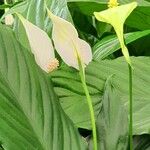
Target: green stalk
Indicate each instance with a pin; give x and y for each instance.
(126, 55)
(130, 108)
(89, 101)
(5, 2)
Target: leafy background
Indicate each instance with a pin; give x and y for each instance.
(29, 109)
(67, 105)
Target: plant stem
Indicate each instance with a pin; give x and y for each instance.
(89, 101)
(5, 2)
(130, 108)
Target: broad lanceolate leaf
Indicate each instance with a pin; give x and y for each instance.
(112, 121)
(70, 93)
(31, 117)
(35, 11)
(110, 44)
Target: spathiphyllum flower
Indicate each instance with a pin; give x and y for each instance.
(76, 53)
(41, 46)
(116, 16)
(67, 43)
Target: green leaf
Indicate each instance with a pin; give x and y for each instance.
(37, 15)
(31, 117)
(4, 6)
(72, 96)
(35, 12)
(71, 93)
(110, 44)
(142, 142)
(112, 122)
(87, 7)
(139, 19)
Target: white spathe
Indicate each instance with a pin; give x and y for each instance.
(68, 44)
(41, 44)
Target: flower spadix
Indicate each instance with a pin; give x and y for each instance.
(116, 16)
(9, 19)
(112, 3)
(67, 43)
(41, 45)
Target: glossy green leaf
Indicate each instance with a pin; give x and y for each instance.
(37, 15)
(142, 142)
(139, 19)
(87, 7)
(110, 44)
(71, 93)
(112, 122)
(35, 12)
(31, 117)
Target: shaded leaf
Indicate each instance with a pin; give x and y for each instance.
(96, 74)
(36, 13)
(142, 142)
(139, 19)
(110, 44)
(112, 122)
(31, 117)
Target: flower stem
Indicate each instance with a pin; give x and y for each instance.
(5, 2)
(89, 101)
(130, 108)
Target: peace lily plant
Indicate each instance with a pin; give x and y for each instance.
(74, 51)
(116, 16)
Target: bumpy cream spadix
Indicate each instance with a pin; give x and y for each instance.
(112, 3)
(41, 45)
(9, 19)
(116, 16)
(68, 44)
